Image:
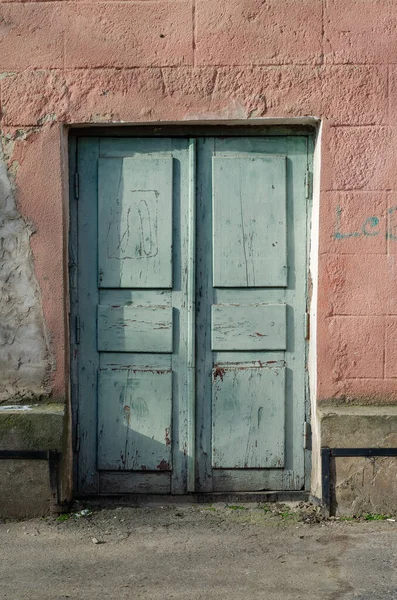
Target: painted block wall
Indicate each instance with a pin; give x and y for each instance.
(86, 62)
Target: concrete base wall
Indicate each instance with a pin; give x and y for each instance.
(361, 485)
(25, 484)
(25, 488)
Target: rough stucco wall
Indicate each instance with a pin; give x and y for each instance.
(24, 357)
(172, 60)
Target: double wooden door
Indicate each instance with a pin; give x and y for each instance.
(188, 314)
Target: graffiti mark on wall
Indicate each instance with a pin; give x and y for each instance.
(370, 227)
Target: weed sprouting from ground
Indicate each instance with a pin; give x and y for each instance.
(376, 517)
(64, 517)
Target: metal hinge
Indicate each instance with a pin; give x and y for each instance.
(307, 326)
(307, 436)
(77, 329)
(76, 186)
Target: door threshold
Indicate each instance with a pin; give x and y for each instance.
(104, 500)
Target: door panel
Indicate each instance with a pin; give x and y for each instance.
(135, 222)
(249, 221)
(135, 329)
(248, 406)
(249, 327)
(192, 300)
(134, 420)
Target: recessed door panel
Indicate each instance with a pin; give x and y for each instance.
(249, 221)
(249, 327)
(248, 417)
(135, 222)
(134, 420)
(134, 328)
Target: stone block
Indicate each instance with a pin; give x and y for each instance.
(361, 485)
(360, 31)
(359, 158)
(106, 95)
(31, 35)
(191, 89)
(354, 95)
(31, 428)
(341, 391)
(287, 91)
(25, 488)
(358, 427)
(251, 32)
(365, 485)
(393, 95)
(357, 284)
(129, 34)
(354, 347)
(354, 222)
(31, 97)
(391, 347)
(25, 484)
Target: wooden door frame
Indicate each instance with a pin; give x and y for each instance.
(307, 128)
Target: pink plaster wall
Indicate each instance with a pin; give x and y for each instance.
(169, 60)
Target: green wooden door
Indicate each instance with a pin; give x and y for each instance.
(190, 304)
(251, 290)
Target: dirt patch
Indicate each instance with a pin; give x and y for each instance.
(200, 552)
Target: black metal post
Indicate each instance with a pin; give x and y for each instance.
(325, 480)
